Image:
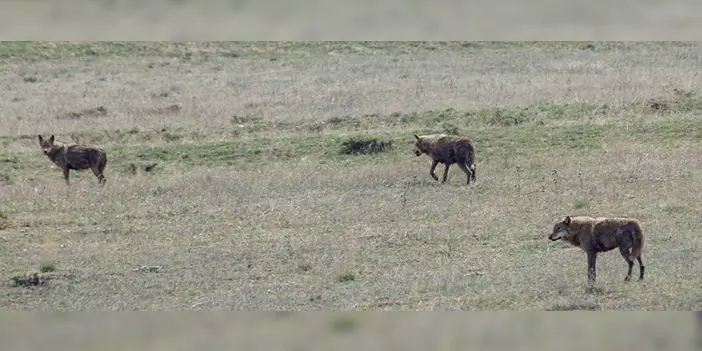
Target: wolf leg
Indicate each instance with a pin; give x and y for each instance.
(641, 268)
(626, 253)
(446, 169)
(65, 175)
(591, 267)
(432, 169)
(98, 173)
(101, 168)
(469, 173)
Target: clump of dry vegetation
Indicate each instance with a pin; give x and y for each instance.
(28, 279)
(281, 175)
(364, 146)
(38, 278)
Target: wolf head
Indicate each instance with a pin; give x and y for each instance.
(47, 145)
(560, 229)
(418, 147)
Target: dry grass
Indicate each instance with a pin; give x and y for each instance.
(227, 187)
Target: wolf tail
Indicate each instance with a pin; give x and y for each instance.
(637, 247)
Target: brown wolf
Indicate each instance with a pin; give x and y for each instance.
(75, 157)
(447, 149)
(595, 235)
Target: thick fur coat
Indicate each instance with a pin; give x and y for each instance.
(447, 149)
(595, 235)
(75, 157)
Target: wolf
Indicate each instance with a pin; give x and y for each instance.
(75, 157)
(595, 235)
(447, 149)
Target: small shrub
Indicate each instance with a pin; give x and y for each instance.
(46, 267)
(364, 146)
(100, 111)
(346, 277)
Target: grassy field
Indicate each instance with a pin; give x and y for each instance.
(233, 182)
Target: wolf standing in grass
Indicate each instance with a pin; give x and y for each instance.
(595, 235)
(75, 157)
(447, 149)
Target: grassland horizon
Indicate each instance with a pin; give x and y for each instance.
(280, 176)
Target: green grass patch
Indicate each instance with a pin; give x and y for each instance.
(47, 266)
(491, 141)
(680, 129)
(498, 132)
(265, 149)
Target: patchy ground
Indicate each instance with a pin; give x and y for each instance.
(268, 177)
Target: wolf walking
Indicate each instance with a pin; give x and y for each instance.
(447, 149)
(75, 157)
(595, 235)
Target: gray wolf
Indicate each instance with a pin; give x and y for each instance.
(75, 157)
(447, 149)
(595, 235)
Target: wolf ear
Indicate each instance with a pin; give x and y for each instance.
(566, 221)
(51, 139)
(40, 138)
(416, 136)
